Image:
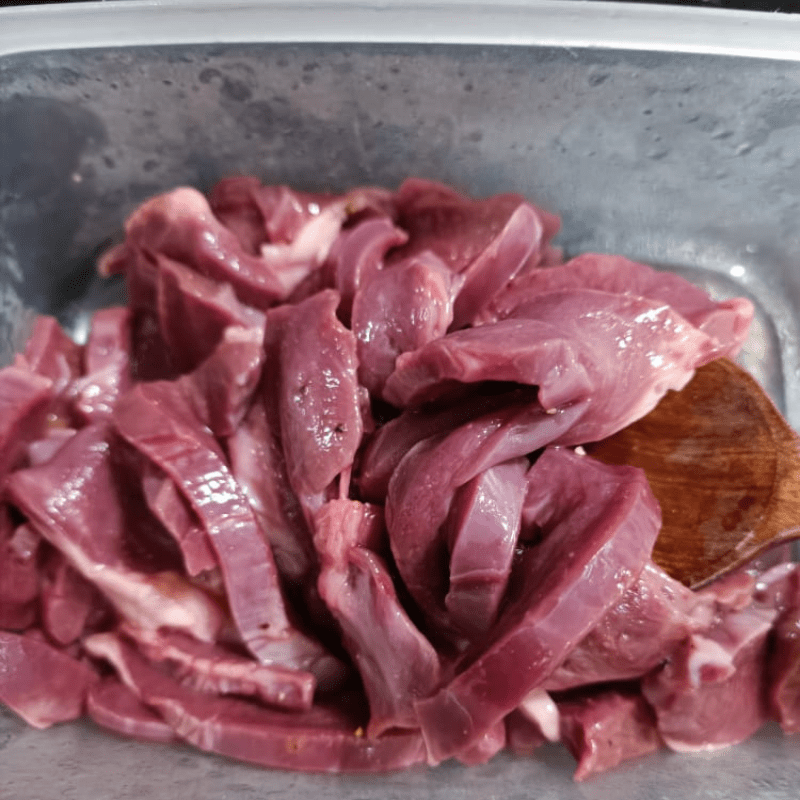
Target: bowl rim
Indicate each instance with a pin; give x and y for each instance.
(556, 23)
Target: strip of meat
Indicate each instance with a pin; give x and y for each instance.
(397, 663)
(221, 388)
(483, 528)
(727, 321)
(107, 365)
(156, 420)
(422, 488)
(323, 739)
(194, 311)
(599, 525)
(71, 501)
(114, 706)
(652, 618)
(399, 310)
(42, 684)
(710, 693)
(173, 512)
(25, 399)
(320, 414)
(214, 669)
(357, 256)
(605, 728)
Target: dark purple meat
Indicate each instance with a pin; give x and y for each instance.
(49, 352)
(401, 309)
(624, 354)
(397, 663)
(257, 464)
(181, 226)
(69, 603)
(654, 615)
(488, 241)
(710, 693)
(155, 419)
(20, 575)
(422, 488)
(320, 414)
(483, 528)
(605, 728)
(40, 683)
(194, 312)
(170, 508)
(213, 669)
(25, 400)
(323, 739)
(599, 524)
(727, 322)
(221, 388)
(357, 256)
(71, 501)
(113, 705)
(107, 365)
(387, 446)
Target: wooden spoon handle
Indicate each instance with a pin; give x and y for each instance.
(725, 467)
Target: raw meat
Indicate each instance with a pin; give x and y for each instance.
(310, 500)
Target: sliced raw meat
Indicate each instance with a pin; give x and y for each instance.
(387, 446)
(155, 419)
(727, 321)
(113, 705)
(483, 528)
(40, 683)
(171, 509)
(213, 669)
(323, 739)
(357, 256)
(655, 614)
(399, 310)
(320, 415)
(181, 226)
(257, 464)
(194, 311)
(221, 388)
(488, 241)
(710, 693)
(107, 361)
(25, 399)
(397, 663)
(603, 729)
(599, 525)
(68, 603)
(49, 352)
(422, 488)
(623, 353)
(71, 501)
(20, 576)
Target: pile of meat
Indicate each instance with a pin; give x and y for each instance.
(316, 498)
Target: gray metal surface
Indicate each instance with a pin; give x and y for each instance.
(684, 159)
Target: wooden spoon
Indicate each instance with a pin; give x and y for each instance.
(725, 467)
